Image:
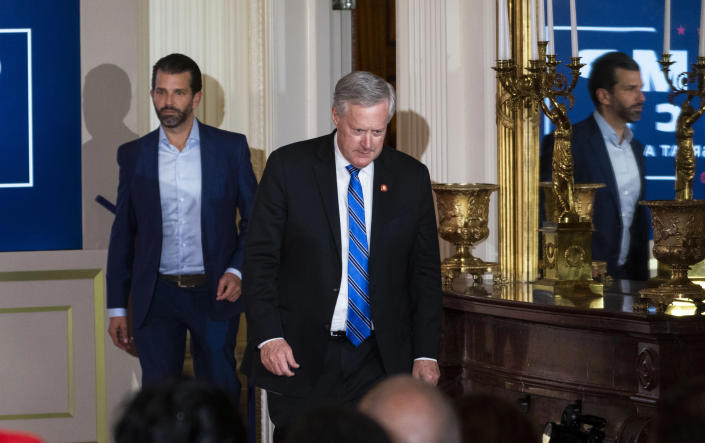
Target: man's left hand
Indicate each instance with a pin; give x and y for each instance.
(229, 287)
(426, 370)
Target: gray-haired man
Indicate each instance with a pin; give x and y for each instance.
(341, 276)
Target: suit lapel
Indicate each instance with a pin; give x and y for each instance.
(383, 189)
(150, 163)
(209, 164)
(324, 172)
(602, 158)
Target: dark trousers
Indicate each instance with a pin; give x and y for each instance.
(348, 373)
(161, 339)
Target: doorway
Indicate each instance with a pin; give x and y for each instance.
(374, 45)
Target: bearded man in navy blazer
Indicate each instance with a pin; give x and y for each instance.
(342, 276)
(605, 151)
(175, 247)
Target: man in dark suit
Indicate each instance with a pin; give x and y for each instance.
(175, 249)
(342, 271)
(605, 151)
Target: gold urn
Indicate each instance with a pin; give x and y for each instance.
(679, 241)
(583, 195)
(463, 211)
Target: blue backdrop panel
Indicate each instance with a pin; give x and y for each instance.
(635, 27)
(40, 147)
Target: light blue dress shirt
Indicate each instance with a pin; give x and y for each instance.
(180, 194)
(626, 174)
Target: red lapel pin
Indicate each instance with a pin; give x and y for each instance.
(383, 188)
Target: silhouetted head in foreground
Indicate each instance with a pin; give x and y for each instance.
(412, 411)
(180, 411)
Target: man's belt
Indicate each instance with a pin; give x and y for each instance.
(186, 280)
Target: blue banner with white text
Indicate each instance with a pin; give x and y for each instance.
(40, 121)
(635, 27)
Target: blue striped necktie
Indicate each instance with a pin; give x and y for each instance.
(359, 323)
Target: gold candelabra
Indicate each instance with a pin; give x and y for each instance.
(566, 243)
(679, 226)
(685, 158)
(543, 83)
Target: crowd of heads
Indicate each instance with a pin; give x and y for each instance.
(400, 409)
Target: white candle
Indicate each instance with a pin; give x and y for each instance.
(500, 31)
(667, 27)
(549, 12)
(574, 29)
(542, 22)
(533, 30)
(701, 48)
(504, 47)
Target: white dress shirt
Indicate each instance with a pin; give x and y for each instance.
(366, 176)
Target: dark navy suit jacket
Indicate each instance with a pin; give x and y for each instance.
(592, 165)
(228, 184)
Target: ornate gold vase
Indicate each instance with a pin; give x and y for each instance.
(583, 196)
(679, 241)
(463, 211)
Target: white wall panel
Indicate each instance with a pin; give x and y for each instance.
(446, 87)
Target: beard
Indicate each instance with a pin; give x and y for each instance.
(174, 119)
(630, 114)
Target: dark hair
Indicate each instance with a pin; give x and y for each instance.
(485, 418)
(176, 64)
(180, 411)
(602, 74)
(336, 423)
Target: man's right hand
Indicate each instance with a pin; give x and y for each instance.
(118, 332)
(278, 358)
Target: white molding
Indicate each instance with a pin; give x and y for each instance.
(257, 136)
(421, 80)
(341, 44)
(446, 88)
(311, 75)
(216, 34)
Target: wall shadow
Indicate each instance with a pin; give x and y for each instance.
(107, 95)
(415, 136)
(211, 111)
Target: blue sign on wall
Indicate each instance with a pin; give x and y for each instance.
(16, 167)
(40, 125)
(635, 27)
